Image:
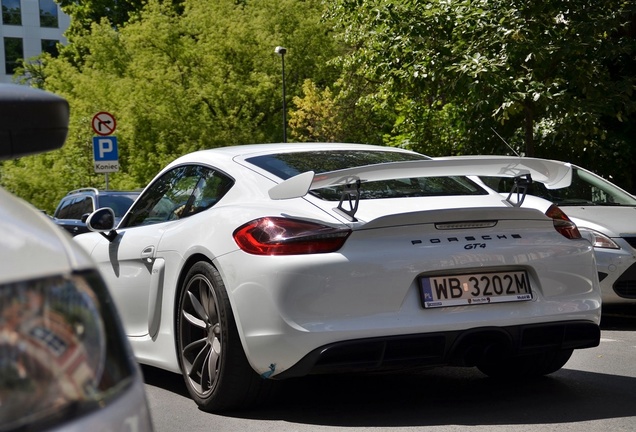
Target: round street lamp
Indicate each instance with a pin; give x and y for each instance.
(281, 51)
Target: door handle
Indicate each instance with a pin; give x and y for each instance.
(148, 253)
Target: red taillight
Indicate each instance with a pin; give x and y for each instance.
(562, 223)
(282, 236)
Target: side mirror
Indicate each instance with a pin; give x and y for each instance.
(103, 221)
(31, 121)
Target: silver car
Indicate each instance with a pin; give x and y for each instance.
(606, 214)
(65, 364)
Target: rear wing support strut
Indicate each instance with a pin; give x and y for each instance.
(351, 196)
(520, 189)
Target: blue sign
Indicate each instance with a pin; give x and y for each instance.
(105, 148)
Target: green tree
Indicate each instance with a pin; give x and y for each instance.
(539, 73)
(177, 80)
(84, 13)
(316, 117)
(339, 115)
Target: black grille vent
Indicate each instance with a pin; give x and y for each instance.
(626, 289)
(631, 241)
(625, 285)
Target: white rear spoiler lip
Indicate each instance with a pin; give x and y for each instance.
(554, 174)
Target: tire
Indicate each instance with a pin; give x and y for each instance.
(213, 363)
(530, 366)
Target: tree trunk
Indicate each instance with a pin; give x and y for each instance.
(529, 123)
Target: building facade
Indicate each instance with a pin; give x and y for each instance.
(28, 28)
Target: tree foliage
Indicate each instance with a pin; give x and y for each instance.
(555, 79)
(340, 115)
(546, 75)
(86, 12)
(177, 80)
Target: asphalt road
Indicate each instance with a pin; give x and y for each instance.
(596, 391)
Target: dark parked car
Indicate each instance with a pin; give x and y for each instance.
(74, 208)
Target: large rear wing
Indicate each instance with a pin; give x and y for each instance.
(553, 174)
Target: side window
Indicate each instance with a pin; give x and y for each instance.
(84, 206)
(75, 207)
(50, 46)
(209, 189)
(48, 14)
(11, 12)
(179, 193)
(64, 208)
(13, 53)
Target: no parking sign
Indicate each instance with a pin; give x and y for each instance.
(104, 123)
(105, 151)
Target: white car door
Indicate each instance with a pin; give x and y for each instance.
(128, 264)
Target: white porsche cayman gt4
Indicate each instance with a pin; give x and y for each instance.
(243, 265)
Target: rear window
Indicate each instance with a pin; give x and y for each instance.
(286, 165)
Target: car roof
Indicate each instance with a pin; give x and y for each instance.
(242, 152)
(95, 191)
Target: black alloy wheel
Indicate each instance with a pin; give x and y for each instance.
(215, 369)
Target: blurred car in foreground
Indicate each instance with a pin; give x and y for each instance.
(606, 215)
(65, 363)
(75, 206)
(243, 265)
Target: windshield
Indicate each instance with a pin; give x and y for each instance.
(586, 189)
(286, 165)
(119, 203)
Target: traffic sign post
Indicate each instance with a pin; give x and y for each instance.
(105, 150)
(105, 154)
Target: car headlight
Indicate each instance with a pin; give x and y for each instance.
(600, 240)
(62, 350)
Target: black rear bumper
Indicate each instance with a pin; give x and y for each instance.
(462, 348)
